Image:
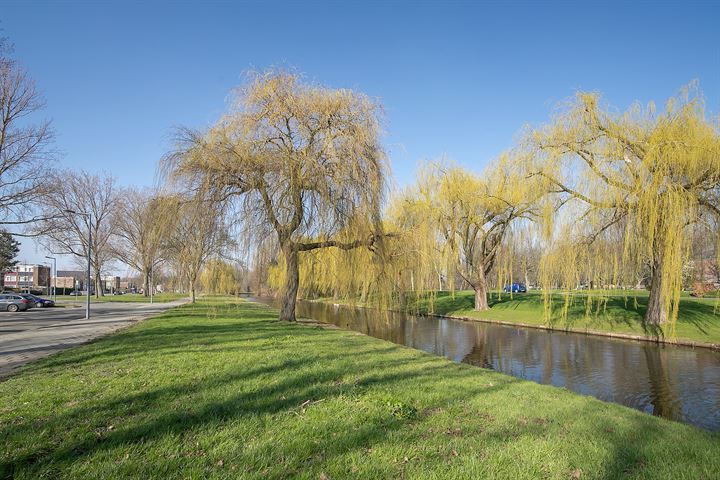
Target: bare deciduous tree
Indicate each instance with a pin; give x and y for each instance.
(24, 147)
(197, 235)
(141, 225)
(93, 199)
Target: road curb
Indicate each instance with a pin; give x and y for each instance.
(14, 362)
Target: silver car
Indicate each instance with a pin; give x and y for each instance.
(12, 303)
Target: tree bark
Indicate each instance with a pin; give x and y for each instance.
(481, 302)
(98, 285)
(292, 282)
(480, 287)
(146, 286)
(657, 311)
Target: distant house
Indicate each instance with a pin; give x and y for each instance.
(28, 277)
(129, 285)
(70, 280)
(110, 283)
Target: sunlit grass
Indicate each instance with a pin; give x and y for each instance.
(130, 297)
(698, 319)
(222, 390)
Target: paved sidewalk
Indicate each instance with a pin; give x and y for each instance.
(28, 336)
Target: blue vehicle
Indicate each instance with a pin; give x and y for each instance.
(36, 301)
(515, 288)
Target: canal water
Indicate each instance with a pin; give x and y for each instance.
(679, 383)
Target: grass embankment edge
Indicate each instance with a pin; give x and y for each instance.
(564, 328)
(221, 389)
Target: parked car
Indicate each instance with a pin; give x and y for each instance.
(30, 298)
(12, 303)
(515, 288)
(76, 293)
(39, 301)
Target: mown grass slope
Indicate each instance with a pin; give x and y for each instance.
(698, 319)
(223, 390)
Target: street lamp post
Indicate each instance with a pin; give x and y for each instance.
(89, 252)
(54, 288)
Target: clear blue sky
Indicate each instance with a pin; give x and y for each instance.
(457, 79)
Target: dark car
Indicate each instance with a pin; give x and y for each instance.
(515, 288)
(39, 301)
(12, 302)
(30, 298)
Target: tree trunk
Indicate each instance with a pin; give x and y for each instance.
(98, 285)
(480, 287)
(657, 311)
(292, 282)
(481, 302)
(364, 292)
(146, 286)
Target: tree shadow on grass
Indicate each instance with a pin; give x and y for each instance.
(163, 334)
(273, 398)
(281, 389)
(170, 341)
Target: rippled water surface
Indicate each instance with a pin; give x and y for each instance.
(679, 383)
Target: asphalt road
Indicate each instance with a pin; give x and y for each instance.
(38, 332)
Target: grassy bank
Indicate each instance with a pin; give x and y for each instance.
(130, 297)
(698, 319)
(222, 390)
(610, 312)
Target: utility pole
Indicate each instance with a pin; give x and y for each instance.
(54, 287)
(89, 253)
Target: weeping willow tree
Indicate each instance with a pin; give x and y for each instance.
(298, 161)
(466, 217)
(220, 276)
(450, 223)
(650, 174)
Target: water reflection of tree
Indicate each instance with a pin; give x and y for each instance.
(663, 396)
(548, 364)
(481, 353)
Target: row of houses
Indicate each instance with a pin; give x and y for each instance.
(39, 278)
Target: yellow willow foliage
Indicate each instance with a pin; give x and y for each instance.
(640, 178)
(360, 274)
(451, 224)
(219, 276)
(296, 161)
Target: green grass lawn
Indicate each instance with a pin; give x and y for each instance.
(222, 390)
(130, 297)
(698, 319)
